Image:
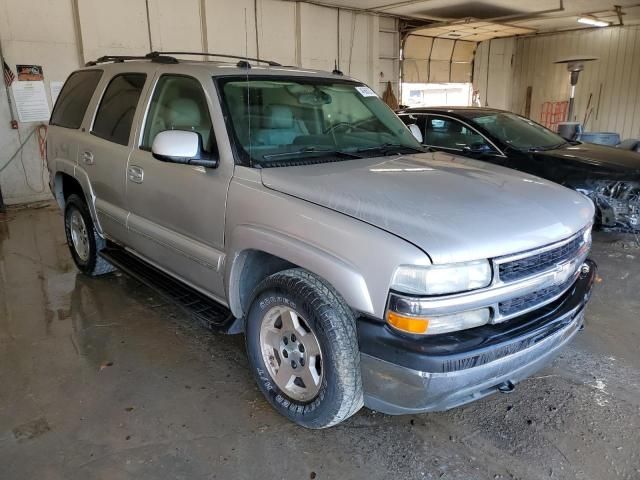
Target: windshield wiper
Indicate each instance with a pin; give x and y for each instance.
(310, 150)
(387, 147)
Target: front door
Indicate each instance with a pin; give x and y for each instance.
(177, 212)
(450, 135)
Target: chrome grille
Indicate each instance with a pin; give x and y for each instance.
(527, 266)
(533, 299)
(558, 264)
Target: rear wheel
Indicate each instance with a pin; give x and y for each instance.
(82, 238)
(302, 345)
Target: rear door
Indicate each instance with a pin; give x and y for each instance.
(177, 212)
(104, 153)
(68, 113)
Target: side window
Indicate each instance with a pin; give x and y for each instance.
(117, 108)
(74, 98)
(449, 133)
(178, 103)
(413, 119)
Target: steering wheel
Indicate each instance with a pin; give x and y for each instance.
(340, 125)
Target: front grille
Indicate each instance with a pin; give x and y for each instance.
(530, 300)
(525, 267)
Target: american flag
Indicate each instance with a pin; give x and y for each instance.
(9, 77)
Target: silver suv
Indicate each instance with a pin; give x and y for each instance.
(294, 206)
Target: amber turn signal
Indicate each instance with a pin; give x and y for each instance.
(407, 324)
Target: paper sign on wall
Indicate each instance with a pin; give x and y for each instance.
(31, 101)
(55, 88)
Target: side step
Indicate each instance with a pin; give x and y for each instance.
(204, 309)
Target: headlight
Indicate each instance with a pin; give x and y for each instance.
(440, 279)
(586, 235)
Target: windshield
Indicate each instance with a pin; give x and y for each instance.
(519, 132)
(284, 121)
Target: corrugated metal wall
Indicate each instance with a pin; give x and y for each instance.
(493, 72)
(616, 104)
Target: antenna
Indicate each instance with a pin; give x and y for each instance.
(336, 71)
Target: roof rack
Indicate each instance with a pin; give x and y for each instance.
(166, 57)
(242, 59)
(122, 58)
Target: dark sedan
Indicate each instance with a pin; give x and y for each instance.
(609, 176)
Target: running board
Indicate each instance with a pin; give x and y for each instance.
(205, 310)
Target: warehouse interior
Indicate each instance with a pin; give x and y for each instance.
(105, 378)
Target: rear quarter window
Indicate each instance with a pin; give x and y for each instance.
(118, 106)
(74, 98)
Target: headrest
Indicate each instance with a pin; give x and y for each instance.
(278, 116)
(454, 127)
(184, 112)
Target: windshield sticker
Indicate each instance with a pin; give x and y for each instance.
(366, 92)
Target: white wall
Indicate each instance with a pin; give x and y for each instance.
(41, 33)
(388, 55)
(617, 70)
(493, 72)
(56, 35)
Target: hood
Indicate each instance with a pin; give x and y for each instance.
(453, 208)
(597, 157)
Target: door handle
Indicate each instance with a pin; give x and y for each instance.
(87, 157)
(135, 174)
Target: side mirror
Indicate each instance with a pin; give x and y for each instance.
(181, 146)
(477, 148)
(415, 131)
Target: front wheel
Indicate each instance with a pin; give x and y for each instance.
(303, 348)
(82, 238)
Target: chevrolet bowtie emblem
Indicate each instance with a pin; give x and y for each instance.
(563, 272)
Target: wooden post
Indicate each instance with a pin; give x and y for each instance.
(527, 102)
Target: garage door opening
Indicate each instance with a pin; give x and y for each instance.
(437, 94)
(436, 72)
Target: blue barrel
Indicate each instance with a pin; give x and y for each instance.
(602, 138)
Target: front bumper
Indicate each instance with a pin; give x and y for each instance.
(403, 374)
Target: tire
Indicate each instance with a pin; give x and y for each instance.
(324, 316)
(82, 238)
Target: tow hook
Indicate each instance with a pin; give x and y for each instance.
(506, 387)
(584, 270)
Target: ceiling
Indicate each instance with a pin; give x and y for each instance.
(479, 20)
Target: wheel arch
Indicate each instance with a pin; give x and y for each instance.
(69, 179)
(257, 253)
(64, 186)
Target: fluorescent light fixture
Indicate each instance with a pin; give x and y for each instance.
(593, 22)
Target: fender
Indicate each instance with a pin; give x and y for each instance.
(70, 168)
(339, 273)
(82, 177)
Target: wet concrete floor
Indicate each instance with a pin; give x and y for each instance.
(101, 379)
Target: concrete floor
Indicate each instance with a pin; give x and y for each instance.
(99, 378)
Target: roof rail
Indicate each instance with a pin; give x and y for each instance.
(166, 57)
(271, 63)
(123, 58)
